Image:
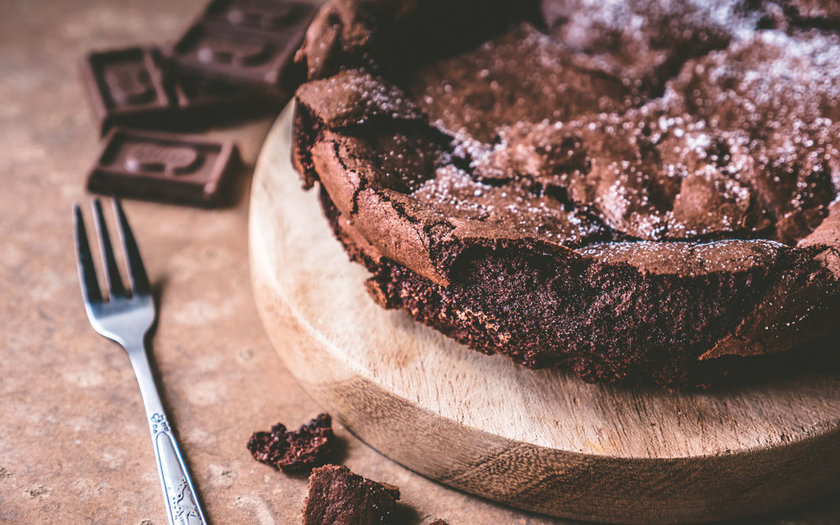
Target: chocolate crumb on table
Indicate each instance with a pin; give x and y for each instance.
(294, 451)
(338, 496)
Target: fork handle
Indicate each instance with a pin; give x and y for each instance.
(179, 493)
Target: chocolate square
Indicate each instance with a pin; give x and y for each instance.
(244, 42)
(126, 86)
(133, 88)
(163, 166)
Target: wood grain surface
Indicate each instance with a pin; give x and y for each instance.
(537, 440)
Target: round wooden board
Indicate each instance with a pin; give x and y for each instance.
(537, 440)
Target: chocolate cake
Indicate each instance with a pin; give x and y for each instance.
(633, 190)
(340, 497)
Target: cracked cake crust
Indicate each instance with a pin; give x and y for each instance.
(565, 202)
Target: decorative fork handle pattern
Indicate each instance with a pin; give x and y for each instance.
(181, 501)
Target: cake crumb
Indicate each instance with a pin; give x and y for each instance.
(296, 451)
(339, 496)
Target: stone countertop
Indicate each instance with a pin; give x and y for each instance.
(74, 446)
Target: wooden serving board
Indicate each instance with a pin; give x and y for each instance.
(537, 440)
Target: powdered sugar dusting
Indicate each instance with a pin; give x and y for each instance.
(652, 120)
(743, 142)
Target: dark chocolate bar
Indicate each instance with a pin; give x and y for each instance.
(244, 42)
(163, 166)
(132, 87)
(126, 86)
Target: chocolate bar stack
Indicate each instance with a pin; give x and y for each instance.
(232, 64)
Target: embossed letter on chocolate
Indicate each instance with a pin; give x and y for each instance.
(130, 83)
(147, 157)
(243, 42)
(162, 166)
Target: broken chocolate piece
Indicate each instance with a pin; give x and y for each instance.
(338, 496)
(163, 166)
(294, 451)
(243, 42)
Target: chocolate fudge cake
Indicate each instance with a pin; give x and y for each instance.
(634, 190)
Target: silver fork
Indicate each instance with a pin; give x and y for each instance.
(125, 317)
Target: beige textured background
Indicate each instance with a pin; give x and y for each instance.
(74, 446)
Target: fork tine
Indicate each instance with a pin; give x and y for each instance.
(139, 279)
(111, 269)
(87, 271)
